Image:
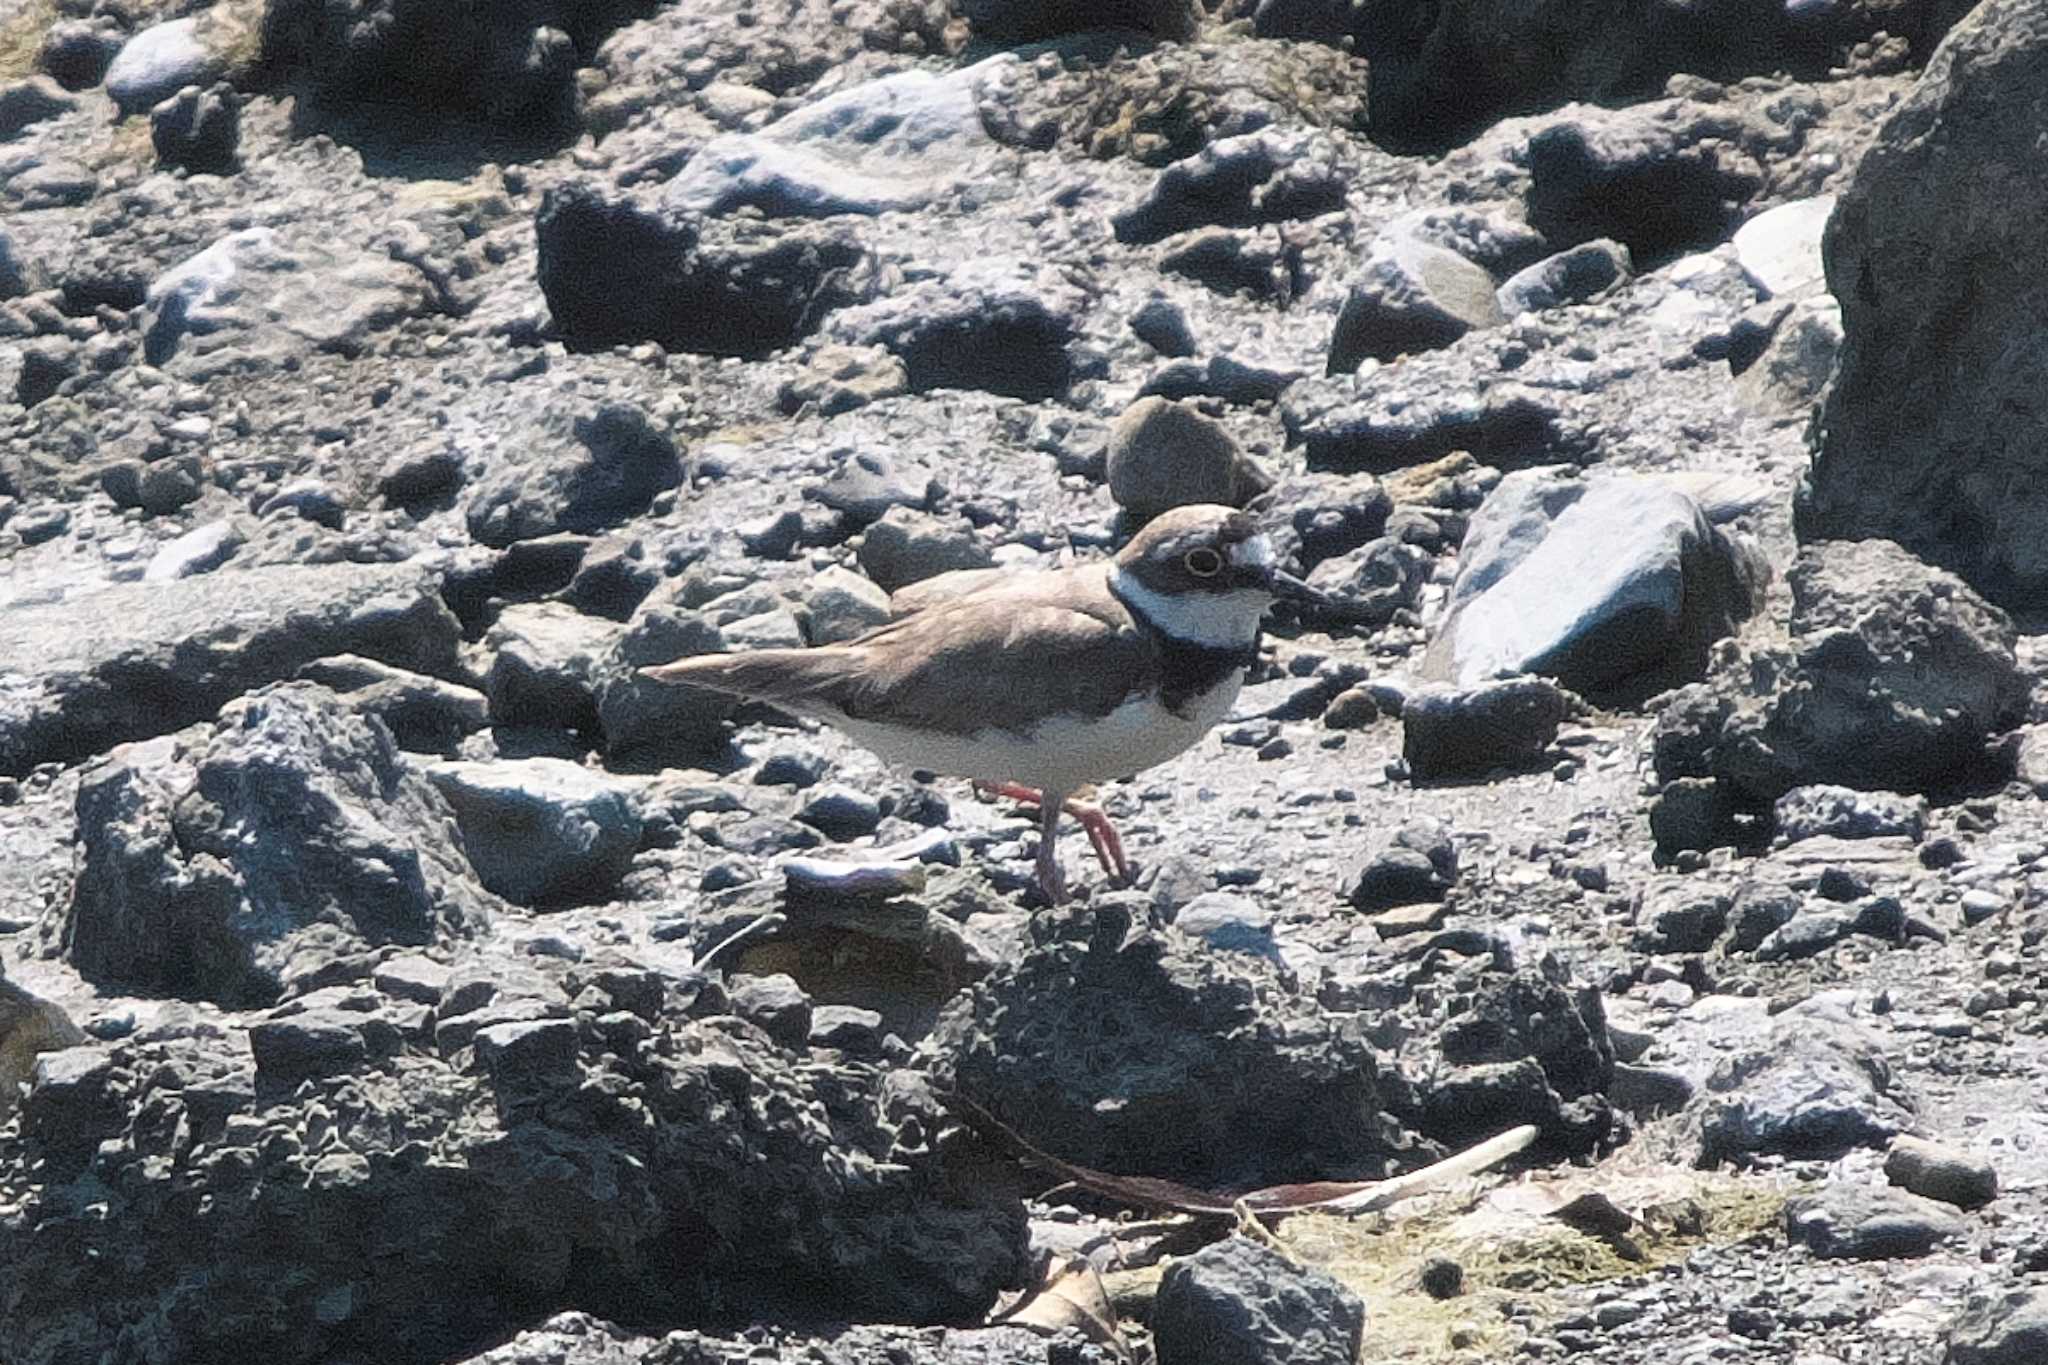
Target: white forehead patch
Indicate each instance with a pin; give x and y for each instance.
(1255, 553)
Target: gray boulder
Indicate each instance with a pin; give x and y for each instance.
(1240, 1303)
(1868, 1223)
(163, 58)
(259, 299)
(908, 546)
(1597, 582)
(291, 833)
(1568, 277)
(1780, 248)
(546, 665)
(1932, 434)
(1814, 1086)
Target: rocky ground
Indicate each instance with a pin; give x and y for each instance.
(391, 974)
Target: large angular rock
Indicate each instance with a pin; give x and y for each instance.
(2008, 1328)
(85, 672)
(1594, 582)
(1933, 434)
(292, 833)
(1814, 1086)
(1895, 676)
(577, 1338)
(616, 270)
(624, 1156)
(1143, 1052)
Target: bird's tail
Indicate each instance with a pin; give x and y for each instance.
(788, 677)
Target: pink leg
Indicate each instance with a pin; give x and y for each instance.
(1102, 835)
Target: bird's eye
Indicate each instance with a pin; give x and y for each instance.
(1203, 562)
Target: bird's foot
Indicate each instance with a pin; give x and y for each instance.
(1102, 835)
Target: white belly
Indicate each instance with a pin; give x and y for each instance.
(1059, 755)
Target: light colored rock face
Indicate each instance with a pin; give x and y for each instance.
(1779, 249)
(255, 300)
(1934, 434)
(542, 830)
(890, 145)
(1589, 581)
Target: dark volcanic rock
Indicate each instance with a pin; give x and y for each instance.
(198, 129)
(510, 63)
(1896, 676)
(1193, 1047)
(641, 1164)
(541, 831)
(1012, 21)
(136, 660)
(1239, 1303)
(293, 833)
(580, 1339)
(1930, 435)
(1450, 732)
(615, 270)
(1237, 182)
(1000, 324)
(2009, 1328)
